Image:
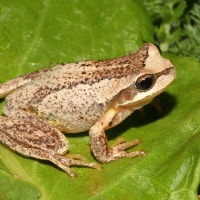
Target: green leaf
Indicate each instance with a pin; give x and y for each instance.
(37, 34)
(12, 188)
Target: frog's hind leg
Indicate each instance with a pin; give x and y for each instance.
(33, 137)
(61, 161)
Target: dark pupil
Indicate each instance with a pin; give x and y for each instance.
(146, 83)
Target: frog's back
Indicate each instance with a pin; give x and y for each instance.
(77, 94)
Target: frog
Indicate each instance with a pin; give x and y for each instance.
(70, 98)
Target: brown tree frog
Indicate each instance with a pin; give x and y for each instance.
(76, 97)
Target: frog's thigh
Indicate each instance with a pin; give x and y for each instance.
(22, 135)
(99, 144)
(34, 131)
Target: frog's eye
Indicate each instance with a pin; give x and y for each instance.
(145, 82)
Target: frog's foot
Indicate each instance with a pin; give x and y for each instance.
(117, 151)
(64, 162)
(99, 144)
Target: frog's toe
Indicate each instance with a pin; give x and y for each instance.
(77, 156)
(135, 153)
(118, 141)
(74, 162)
(125, 145)
(78, 159)
(96, 166)
(64, 163)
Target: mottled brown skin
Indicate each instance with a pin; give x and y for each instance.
(75, 97)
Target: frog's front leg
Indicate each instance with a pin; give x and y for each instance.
(99, 144)
(33, 137)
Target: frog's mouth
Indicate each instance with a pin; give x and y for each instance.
(138, 105)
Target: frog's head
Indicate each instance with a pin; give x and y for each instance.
(153, 78)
